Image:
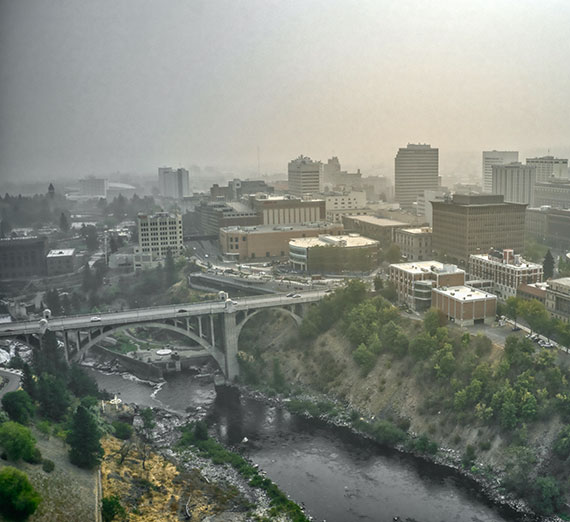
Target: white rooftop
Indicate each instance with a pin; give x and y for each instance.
(464, 293)
(421, 230)
(380, 222)
(523, 263)
(347, 241)
(418, 267)
(61, 253)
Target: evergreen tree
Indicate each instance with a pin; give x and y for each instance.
(49, 358)
(28, 382)
(91, 239)
(53, 397)
(51, 301)
(63, 222)
(548, 265)
(86, 450)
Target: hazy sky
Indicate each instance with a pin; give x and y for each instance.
(128, 85)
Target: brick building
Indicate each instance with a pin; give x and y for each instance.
(381, 229)
(465, 305)
(269, 240)
(22, 257)
(414, 243)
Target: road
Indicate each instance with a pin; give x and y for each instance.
(12, 384)
(158, 313)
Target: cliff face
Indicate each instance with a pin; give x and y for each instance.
(395, 389)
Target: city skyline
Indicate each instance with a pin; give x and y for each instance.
(130, 86)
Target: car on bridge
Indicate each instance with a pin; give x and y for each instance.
(95, 319)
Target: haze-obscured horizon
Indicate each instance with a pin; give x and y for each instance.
(102, 87)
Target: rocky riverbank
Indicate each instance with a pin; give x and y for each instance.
(488, 483)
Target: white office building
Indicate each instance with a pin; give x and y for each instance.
(423, 204)
(416, 170)
(158, 233)
(304, 176)
(549, 168)
(495, 157)
(515, 181)
(173, 183)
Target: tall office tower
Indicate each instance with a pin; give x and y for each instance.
(515, 181)
(92, 186)
(416, 170)
(495, 157)
(549, 168)
(474, 223)
(304, 176)
(173, 183)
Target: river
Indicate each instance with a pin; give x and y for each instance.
(338, 476)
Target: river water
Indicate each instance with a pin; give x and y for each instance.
(338, 476)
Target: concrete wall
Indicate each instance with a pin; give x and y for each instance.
(141, 369)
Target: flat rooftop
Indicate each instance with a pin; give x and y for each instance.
(464, 293)
(436, 267)
(379, 222)
(61, 253)
(346, 241)
(421, 230)
(266, 229)
(563, 281)
(524, 264)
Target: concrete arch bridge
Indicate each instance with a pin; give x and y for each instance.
(213, 325)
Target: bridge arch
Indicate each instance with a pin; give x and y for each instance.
(216, 353)
(297, 318)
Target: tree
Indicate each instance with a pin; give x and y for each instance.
(53, 397)
(86, 450)
(18, 498)
(513, 308)
(80, 383)
(389, 291)
(16, 441)
(364, 358)
(561, 446)
(18, 406)
(91, 239)
(49, 358)
(63, 223)
(548, 265)
(28, 381)
(169, 269)
(432, 321)
(546, 497)
(145, 434)
(113, 245)
(393, 254)
(378, 284)
(111, 509)
(52, 301)
(123, 430)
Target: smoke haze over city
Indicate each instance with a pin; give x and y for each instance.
(100, 87)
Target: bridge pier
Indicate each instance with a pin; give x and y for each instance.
(231, 333)
(66, 347)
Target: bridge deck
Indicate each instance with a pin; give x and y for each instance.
(140, 315)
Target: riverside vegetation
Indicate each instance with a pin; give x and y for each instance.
(422, 384)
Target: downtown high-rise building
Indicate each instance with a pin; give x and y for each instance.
(549, 168)
(495, 157)
(516, 182)
(416, 170)
(304, 176)
(173, 183)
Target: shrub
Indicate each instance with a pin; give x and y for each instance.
(123, 430)
(386, 433)
(112, 509)
(35, 457)
(47, 465)
(468, 457)
(17, 441)
(18, 498)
